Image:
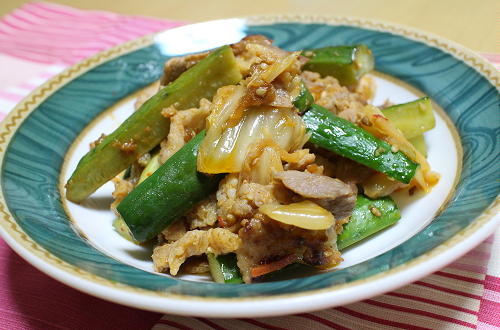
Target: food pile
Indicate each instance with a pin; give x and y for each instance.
(249, 159)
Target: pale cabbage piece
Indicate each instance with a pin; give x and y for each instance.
(261, 162)
(224, 148)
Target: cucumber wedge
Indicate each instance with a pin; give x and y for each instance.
(304, 100)
(146, 127)
(368, 217)
(346, 139)
(121, 228)
(419, 144)
(346, 63)
(169, 193)
(151, 167)
(412, 118)
(224, 269)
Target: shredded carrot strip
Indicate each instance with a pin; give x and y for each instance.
(273, 266)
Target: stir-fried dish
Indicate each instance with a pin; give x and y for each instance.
(249, 158)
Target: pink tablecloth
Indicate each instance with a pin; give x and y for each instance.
(36, 42)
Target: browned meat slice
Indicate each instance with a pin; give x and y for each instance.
(334, 195)
(313, 186)
(195, 265)
(173, 232)
(340, 100)
(174, 67)
(265, 241)
(342, 206)
(342, 168)
(204, 214)
(240, 47)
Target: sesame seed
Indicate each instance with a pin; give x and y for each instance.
(376, 212)
(261, 91)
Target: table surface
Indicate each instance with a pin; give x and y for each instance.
(475, 24)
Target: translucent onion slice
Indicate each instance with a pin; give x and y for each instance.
(274, 70)
(380, 185)
(306, 215)
(383, 128)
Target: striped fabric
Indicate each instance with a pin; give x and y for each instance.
(39, 40)
(48, 33)
(10, 96)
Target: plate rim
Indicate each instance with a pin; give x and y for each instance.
(441, 255)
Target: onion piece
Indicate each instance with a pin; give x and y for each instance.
(383, 128)
(305, 214)
(274, 70)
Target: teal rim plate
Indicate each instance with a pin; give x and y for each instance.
(47, 132)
